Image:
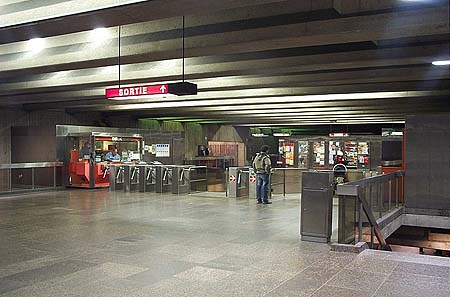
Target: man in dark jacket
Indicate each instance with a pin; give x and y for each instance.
(262, 166)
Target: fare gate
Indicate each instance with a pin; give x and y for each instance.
(163, 179)
(116, 178)
(124, 177)
(175, 179)
(131, 178)
(147, 180)
(241, 182)
(181, 180)
(252, 184)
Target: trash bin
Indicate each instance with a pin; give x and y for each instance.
(316, 206)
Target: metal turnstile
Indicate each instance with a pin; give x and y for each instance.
(163, 179)
(181, 183)
(131, 178)
(238, 180)
(316, 206)
(116, 177)
(147, 178)
(252, 184)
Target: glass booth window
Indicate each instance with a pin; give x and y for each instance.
(129, 150)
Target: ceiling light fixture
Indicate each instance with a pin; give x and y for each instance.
(334, 134)
(36, 45)
(281, 134)
(182, 88)
(99, 33)
(259, 135)
(441, 63)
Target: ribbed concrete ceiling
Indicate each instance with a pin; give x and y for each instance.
(255, 62)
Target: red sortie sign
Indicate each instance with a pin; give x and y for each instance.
(117, 93)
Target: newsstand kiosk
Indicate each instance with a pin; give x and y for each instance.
(88, 164)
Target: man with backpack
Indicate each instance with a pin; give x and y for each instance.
(262, 166)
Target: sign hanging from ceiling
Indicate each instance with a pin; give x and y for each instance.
(136, 91)
(178, 89)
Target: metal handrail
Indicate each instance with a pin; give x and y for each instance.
(357, 189)
(284, 169)
(31, 165)
(373, 179)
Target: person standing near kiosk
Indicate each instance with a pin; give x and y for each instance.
(262, 166)
(113, 155)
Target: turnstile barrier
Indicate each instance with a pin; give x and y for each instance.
(116, 177)
(176, 179)
(147, 178)
(163, 179)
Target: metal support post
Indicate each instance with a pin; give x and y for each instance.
(360, 222)
(372, 231)
(112, 178)
(390, 194)
(380, 198)
(32, 178)
(54, 177)
(127, 178)
(397, 190)
(143, 178)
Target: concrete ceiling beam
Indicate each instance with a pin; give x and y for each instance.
(352, 29)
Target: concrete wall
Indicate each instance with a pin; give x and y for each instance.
(427, 181)
(33, 144)
(5, 156)
(196, 134)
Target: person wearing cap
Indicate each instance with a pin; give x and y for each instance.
(262, 166)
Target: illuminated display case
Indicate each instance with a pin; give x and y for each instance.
(323, 152)
(334, 147)
(303, 154)
(363, 155)
(287, 153)
(351, 154)
(318, 154)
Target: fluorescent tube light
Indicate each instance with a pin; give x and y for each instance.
(441, 63)
(281, 134)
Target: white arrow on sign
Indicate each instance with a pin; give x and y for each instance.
(163, 89)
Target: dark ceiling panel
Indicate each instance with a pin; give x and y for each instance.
(305, 61)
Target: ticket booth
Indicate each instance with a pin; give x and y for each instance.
(92, 153)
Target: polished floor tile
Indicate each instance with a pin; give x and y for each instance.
(96, 243)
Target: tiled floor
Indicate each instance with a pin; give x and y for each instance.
(97, 243)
